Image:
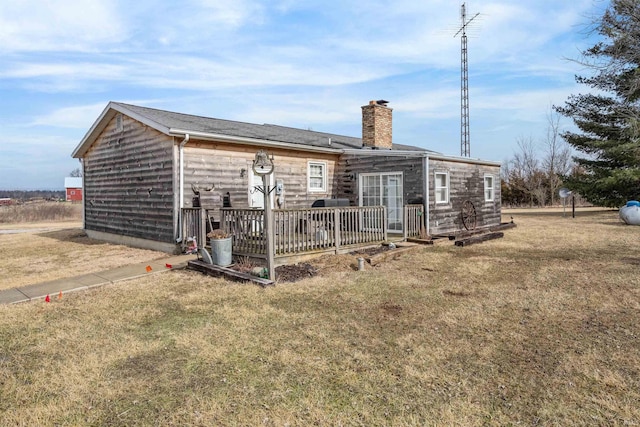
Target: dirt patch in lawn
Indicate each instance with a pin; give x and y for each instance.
(326, 264)
(372, 251)
(296, 272)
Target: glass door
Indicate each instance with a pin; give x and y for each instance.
(392, 199)
(383, 189)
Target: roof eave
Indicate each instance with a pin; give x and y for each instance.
(464, 160)
(93, 131)
(370, 152)
(105, 117)
(426, 153)
(251, 141)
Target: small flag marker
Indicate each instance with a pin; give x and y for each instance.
(168, 265)
(149, 268)
(60, 295)
(47, 298)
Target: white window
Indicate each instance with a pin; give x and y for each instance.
(488, 188)
(442, 187)
(317, 175)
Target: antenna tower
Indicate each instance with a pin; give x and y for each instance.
(465, 146)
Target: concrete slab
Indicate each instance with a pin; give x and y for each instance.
(10, 296)
(90, 280)
(50, 288)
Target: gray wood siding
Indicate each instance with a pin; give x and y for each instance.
(220, 165)
(466, 182)
(128, 178)
(351, 166)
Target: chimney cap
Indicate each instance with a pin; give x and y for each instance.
(382, 102)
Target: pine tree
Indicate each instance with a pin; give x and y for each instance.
(609, 117)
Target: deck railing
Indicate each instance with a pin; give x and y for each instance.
(304, 230)
(413, 220)
(246, 226)
(194, 225)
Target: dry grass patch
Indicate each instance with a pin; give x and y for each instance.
(39, 256)
(531, 329)
(40, 212)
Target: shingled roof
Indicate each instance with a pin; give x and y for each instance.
(172, 123)
(267, 132)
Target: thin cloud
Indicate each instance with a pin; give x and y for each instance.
(79, 117)
(58, 25)
(307, 64)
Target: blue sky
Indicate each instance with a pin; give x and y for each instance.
(304, 63)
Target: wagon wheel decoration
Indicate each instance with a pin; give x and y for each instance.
(468, 214)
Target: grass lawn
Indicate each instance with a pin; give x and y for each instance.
(44, 241)
(541, 327)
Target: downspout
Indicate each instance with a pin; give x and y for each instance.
(427, 219)
(84, 195)
(181, 185)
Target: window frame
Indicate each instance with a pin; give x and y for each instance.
(492, 188)
(436, 187)
(324, 169)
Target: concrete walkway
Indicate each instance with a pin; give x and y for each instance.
(92, 280)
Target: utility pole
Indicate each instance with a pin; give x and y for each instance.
(465, 143)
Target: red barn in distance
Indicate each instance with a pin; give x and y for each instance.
(73, 189)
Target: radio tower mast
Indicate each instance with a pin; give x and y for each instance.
(465, 146)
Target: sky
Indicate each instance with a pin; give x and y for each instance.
(307, 64)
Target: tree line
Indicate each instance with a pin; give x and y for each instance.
(534, 175)
(26, 195)
(601, 159)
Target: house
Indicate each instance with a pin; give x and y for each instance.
(73, 188)
(142, 167)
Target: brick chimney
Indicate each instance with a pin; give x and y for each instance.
(376, 125)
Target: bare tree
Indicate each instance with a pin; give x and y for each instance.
(557, 155)
(525, 169)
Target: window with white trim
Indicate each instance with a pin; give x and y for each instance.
(442, 187)
(317, 177)
(488, 188)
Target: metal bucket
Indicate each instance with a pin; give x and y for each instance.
(221, 250)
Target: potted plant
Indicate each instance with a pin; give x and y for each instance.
(221, 247)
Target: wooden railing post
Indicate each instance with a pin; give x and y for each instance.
(336, 228)
(202, 238)
(384, 223)
(405, 229)
(184, 228)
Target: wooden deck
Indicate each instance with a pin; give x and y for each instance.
(299, 233)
